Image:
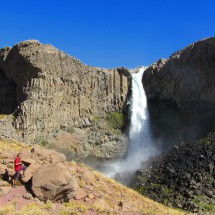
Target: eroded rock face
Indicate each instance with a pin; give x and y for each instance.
(187, 77)
(52, 89)
(181, 93)
(97, 144)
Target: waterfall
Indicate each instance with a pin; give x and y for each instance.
(139, 126)
(141, 145)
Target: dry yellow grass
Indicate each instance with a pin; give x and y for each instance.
(31, 209)
(113, 193)
(141, 203)
(81, 208)
(2, 116)
(6, 145)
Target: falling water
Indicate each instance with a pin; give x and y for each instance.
(141, 146)
(139, 126)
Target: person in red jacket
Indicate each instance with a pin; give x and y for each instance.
(18, 168)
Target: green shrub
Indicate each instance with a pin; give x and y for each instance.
(13, 118)
(209, 208)
(116, 120)
(69, 129)
(44, 143)
(95, 119)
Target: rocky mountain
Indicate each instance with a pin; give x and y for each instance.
(50, 94)
(181, 93)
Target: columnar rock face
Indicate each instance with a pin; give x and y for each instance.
(48, 89)
(181, 93)
(187, 77)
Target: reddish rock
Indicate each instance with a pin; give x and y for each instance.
(80, 194)
(45, 156)
(53, 182)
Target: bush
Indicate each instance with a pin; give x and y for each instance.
(67, 129)
(44, 143)
(116, 120)
(95, 119)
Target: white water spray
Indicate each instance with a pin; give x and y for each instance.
(141, 146)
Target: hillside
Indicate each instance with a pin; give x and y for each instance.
(92, 193)
(183, 177)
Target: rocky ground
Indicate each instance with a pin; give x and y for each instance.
(52, 185)
(100, 139)
(183, 177)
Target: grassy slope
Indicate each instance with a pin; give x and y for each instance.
(110, 197)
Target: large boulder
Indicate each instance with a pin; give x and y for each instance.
(38, 157)
(31, 170)
(53, 182)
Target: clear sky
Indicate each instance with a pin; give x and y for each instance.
(109, 33)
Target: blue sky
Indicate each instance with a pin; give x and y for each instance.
(109, 33)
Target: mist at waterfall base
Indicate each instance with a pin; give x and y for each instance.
(141, 146)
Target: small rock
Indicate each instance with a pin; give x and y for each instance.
(80, 195)
(86, 199)
(27, 196)
(16, 195)
(91, 196)
(209, 193)
(179, 206)
(120, 204)
(211, 167)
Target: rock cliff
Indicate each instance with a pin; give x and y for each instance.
(187, 77)
(181, 93)
(47, 90)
